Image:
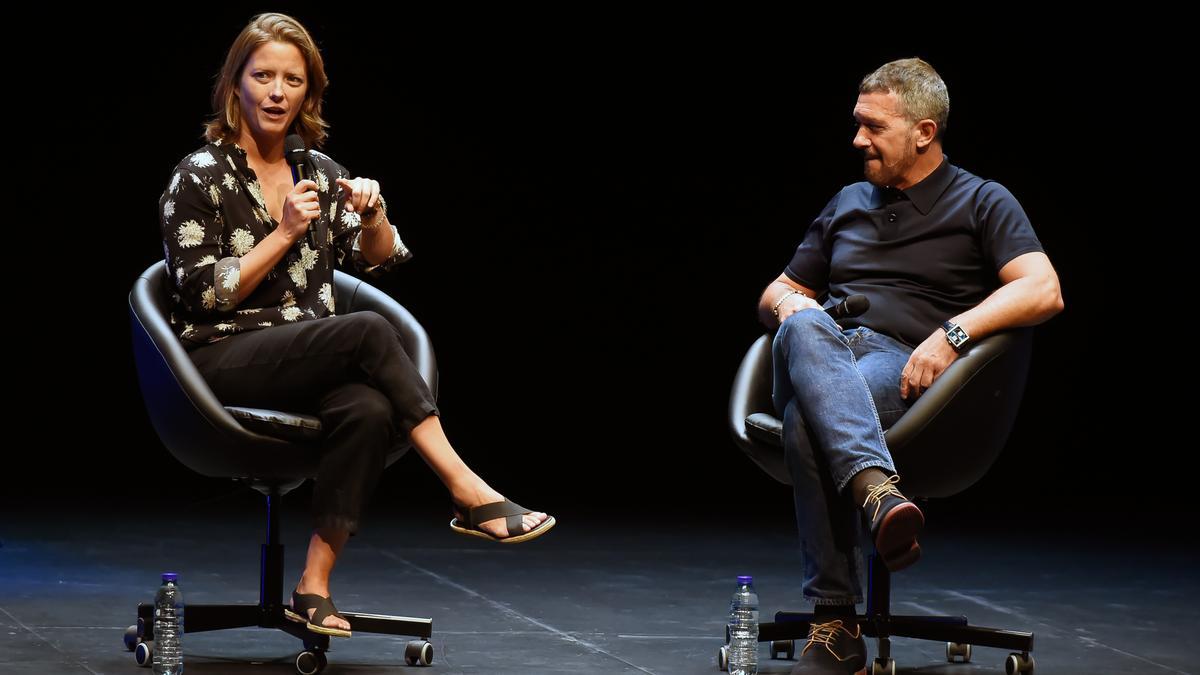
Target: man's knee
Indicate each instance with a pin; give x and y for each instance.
(802, 328)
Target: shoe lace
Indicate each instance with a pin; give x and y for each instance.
(825, 634)
(876, 493)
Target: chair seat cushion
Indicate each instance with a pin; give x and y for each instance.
(285, 426)
(765, 428)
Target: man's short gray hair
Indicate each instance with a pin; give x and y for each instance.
(918, 86)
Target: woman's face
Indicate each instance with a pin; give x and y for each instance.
(271, 91)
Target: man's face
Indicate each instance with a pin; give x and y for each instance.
(886, 137)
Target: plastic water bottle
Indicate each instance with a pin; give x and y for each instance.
(743, 629)
(168, 627)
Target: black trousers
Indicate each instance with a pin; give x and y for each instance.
(352, 372)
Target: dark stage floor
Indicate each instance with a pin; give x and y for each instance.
(594, 596)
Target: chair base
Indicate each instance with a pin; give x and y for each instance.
(311, 660)
(794, 626)
(268, 613)
(878, 622)
(201, 618)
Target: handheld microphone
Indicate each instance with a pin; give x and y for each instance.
(297, 157)
(850, 307)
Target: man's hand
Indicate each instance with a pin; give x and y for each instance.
(927, 362)
(794, 303)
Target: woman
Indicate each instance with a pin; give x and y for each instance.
(251, 258)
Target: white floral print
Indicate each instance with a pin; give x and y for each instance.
(230, 278)
(190, 234)
(326, 296)
(241, 241)
(209, 298)
(212, 210)
(202, 160)
(256, 192)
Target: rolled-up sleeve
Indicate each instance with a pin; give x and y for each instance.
(204, 275)
(346, 233)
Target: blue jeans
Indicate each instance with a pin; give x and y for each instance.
(837, 390)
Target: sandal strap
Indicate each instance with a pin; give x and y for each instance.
(510, 511)
(302, 602)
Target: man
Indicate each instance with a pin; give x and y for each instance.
(945, 258)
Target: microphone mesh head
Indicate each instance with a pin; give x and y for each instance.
(857, 304)
(293, 149)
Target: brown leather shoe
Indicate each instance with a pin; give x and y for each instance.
(894, 522)
(834, 648)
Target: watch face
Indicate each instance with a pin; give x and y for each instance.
(957, 337)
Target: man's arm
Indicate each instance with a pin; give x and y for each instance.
(1029, 294)
(783, 298)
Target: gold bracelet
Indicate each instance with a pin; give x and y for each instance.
(775, 309)
(380, 206)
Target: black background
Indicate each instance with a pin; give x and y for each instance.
(595, 204)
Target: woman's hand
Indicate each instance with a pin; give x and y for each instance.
(361, 196)
(300, 207)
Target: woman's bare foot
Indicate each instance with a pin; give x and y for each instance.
(476, 493)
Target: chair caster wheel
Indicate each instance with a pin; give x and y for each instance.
(954, 649)
(723, 658)
(143, 653)
(883, 667)
(132, 638)
(418, 653)
(1019, 663)
(311, 662)
(786, 648)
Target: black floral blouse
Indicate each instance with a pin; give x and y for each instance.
(213, 212)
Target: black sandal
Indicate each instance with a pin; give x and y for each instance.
(510, 511)
(302, 602)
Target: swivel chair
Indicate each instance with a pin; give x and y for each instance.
(270, 451)
(942, 445)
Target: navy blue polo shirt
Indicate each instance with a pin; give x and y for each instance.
(921, 255)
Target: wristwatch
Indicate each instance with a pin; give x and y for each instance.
(956, 336)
